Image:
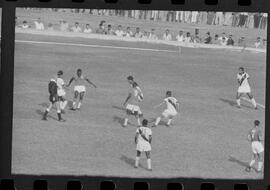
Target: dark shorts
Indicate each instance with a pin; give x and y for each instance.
(61, 98)
(53, 98)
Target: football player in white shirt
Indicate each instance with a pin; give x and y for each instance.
(61, 91)
(244, 88)
(171, 111)
(79, 88)
(135, 96)
(167, 36)
(180, 37)
(143, 140)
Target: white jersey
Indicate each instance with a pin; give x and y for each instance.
(243, 78)
(60, 87)
(142, 144)
(171, 103)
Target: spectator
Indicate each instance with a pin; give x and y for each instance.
(152, 35)
(180, 36)
(50, 27)
(258, 42)
(101, 29)
(76, 28)
(223, 41)
(128, 33)
(188, 38)
(137, 33)
(167, 36)
(208, 39)
(38, 24)
(145, 35)
(25, 25)
(219, 18)
(223, 35)
(230, 41)
(87, 29)
(119, 32)
(263, 21)
(242, 42)
(64, 26)
(216, 40)
(110, 30)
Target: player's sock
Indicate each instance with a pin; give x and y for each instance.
(157, 121)
(238, 102)
(45, 114)
(149, 164)
(252, 162)
(169, 122)
(253, 102)
(79, 105)
(74, 105)
(260, 164)
(125, 121)
(137, 161)
(59, 115)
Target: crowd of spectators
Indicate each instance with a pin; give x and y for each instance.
(222, 39)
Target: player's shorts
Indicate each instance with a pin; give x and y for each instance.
(53, 98)
(133, 109)
(169, 113)
(244, 89)
(79, 88)
(143, 146)
(257, 147)
(61, 92)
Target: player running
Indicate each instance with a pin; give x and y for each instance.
(53, 98)
(255, 136)
(143, 141)
(61, 91)
(79, 88)
(171, 111)
(244, 88)
(135, 96)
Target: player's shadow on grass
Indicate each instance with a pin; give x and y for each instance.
(241, 163)
(130, 161)
(39, 112)
(121, 121)
(233, 103)
(153, 120)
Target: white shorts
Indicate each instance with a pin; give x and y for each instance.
(61, 92)
(257, 147)
(244, 89)
(143, 146)
(134, 109)
(169, 113)
(80, 88)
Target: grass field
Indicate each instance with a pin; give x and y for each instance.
(207, 140)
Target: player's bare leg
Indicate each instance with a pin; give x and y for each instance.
(80, 100)
(128, 113)
(139, 116)
(238, 96)
(137, 159)
(76, 94)
(63, 104)
(47, 111)
(59, 112)
(169, 121)
(252, 162)
(260, 162)
(252, 100)
(148, 156)
(157, 121)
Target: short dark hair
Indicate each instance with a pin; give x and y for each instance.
(144, 122)
(256, 122)
(130, 77)
(241, 68)
(169, 93)
(60, 72)
(79, 70)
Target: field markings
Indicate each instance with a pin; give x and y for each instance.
(248, 100)
(94, 46)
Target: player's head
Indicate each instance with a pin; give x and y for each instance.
(130, 79)
(79, 72)
(60, 73)
(168, 93)
(256, 123)
(144, 122)
(241, 69)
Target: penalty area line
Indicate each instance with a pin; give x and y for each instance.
(93, 46)
(248, 100)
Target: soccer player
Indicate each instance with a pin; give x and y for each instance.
(171, 111)
(255, 136)
(79, 88)
(143, 139)
(53, 98)
(244, 88)
(135, 96)
(61, 91)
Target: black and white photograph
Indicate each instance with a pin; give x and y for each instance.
(139, 93)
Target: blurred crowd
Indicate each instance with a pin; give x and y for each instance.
(137, 32)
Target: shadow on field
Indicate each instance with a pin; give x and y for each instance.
(121, 121)
(233, 103)
(39, 112)
(130, 161)
(119, 108)
(241, 163)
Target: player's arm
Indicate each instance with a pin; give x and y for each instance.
(129, 96)
(150, 139)
(260, 136)
(90, 82)
(177, 106)
(136, 138)
(70, 81)
(159, 104)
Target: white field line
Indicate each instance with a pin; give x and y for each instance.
(248, 100)
(93, 46)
